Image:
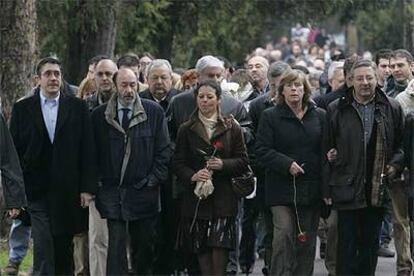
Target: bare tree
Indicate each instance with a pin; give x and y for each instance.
(17, 49)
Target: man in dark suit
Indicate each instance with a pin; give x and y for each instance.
(53, 138)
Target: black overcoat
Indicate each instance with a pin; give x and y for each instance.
(57, 172)
(283, 139)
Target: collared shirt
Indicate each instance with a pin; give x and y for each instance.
(50, 108)
(366, 113)
(121, 112)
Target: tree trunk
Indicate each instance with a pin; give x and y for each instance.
(410, 38)
(18, 50)
(95, 36)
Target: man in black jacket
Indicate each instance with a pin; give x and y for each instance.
(159, 78)
(364, 139)
(133, 151)
(53, 138)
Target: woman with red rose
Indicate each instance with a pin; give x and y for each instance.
(210, 150)
(289, 146)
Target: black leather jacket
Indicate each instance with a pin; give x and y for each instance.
(345, 179)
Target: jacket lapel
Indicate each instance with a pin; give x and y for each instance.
(37, 113)
(199, 129)
(63, 113)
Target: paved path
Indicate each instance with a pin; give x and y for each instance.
(385, 267)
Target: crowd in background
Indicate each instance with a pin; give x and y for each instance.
(152, 151)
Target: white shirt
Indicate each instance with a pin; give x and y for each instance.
(50, 108)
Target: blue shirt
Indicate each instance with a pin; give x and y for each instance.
(50, 108)
(366, 113)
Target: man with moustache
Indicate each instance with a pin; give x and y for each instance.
(363, 140)
(53, 138)
(133, 151)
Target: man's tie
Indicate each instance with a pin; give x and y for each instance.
(125, 119)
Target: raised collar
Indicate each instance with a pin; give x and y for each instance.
(138, 113)
(348, 98)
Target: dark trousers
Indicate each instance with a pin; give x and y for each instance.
(251, 212)
(52, 254)
(358, 241)
(167, 260)
(386, 229)
(144, 246)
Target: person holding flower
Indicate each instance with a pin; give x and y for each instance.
(289, 147)
(210, 150)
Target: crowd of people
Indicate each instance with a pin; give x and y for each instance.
(132, 172)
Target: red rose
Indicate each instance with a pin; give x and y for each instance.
(218, 145)
(302, 237)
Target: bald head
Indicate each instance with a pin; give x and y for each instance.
(104, 72)
(257, 67)
(126, 85)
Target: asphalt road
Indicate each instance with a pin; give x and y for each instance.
(385, 267)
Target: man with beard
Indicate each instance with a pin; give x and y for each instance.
(363, 140)
(159, 83)
(133, 152)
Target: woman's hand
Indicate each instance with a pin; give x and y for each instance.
(295, 169)
(201, 175)
(215, 164)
